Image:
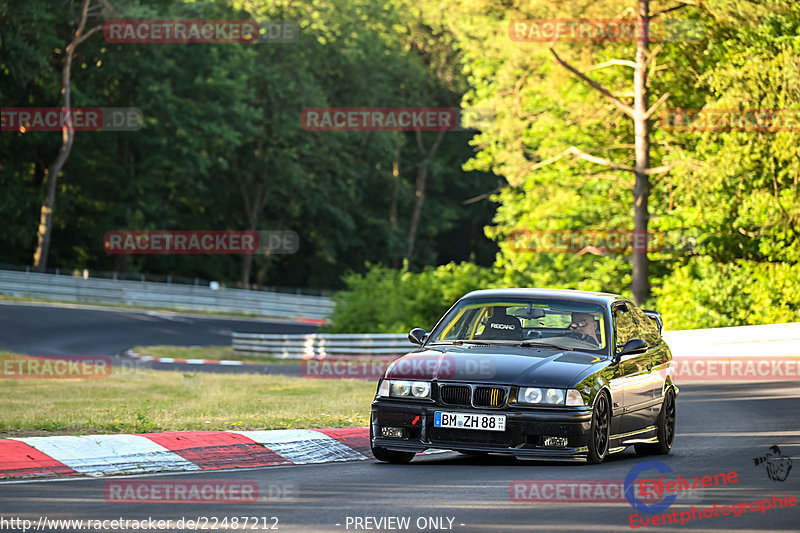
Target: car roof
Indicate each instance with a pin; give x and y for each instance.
(600, 298)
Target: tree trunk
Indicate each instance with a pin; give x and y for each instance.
(45, 229)
(419, 192)
(394, 187)
(640, 285)
(253, 205)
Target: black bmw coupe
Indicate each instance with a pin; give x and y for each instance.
(534, 373)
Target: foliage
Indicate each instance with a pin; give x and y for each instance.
(222, 130)
(707, 294)
(729, 206)
(387, 300)
(222, 135)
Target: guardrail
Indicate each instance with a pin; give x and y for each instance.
(162, 295)
(321, 345)
(743, 341)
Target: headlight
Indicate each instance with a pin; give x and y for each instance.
(401, 388)
(535, 395)
(530, 395)
(574, 398)
(404, 389)
(555, 396)
(421, 389)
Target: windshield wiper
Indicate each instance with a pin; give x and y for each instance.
(458, 342)
(543, 345)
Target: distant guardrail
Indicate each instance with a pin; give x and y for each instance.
(162, 295)
(321, 345)
(735, 342)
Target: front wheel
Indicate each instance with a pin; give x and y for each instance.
(599, 433)
(666, 429)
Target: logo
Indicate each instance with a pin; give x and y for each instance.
(631, 496)
(379, 119)
(734, 369)
(728, 120)
(603, 30)
(778, 465)
(200, 31)
(598, 242)
(27, 119)
(339, 368)
(495, 325)
(562, 490)
(439, 366)
(204, 492)
(60, 367)
(200, 242)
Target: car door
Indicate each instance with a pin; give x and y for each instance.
(659, 356)
(635, 371)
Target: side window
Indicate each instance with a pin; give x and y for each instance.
(624, 325)
(650, 329)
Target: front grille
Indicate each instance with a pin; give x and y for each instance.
(489, 397)
(455, 394)
(467, 436)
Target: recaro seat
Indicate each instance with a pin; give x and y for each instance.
(500, 326)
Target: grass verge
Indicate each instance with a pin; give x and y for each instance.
(139, 401)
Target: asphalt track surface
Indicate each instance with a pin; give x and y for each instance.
(720, 428)
(50, 330)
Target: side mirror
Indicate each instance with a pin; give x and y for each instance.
(417, 336)
(632, 346)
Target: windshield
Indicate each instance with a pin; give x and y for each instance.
(566, 325)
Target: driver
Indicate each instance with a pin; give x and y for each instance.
(586, 325)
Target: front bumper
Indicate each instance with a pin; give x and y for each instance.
(526, 428)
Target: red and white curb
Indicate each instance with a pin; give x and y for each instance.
(146, 358)
(149, 358)
(102, 455)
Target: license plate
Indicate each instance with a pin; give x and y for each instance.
(469, 421)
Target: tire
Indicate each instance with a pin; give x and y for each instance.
(600, 430)
(666, 428)
(389, 456)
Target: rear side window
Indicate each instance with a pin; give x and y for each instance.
(650, 329)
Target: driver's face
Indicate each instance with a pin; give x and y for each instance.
(582, 323)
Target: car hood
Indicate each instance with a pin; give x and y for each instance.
(502, 365)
